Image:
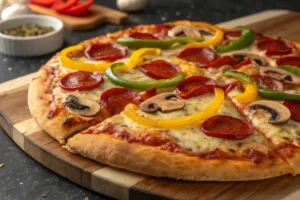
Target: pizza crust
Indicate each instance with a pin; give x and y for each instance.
(153, 161)
(39, 107)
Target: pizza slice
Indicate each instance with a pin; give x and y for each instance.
(264, 86)
(194, 133)
(66, 97)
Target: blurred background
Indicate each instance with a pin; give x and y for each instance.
(24, 178)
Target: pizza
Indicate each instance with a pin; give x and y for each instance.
(184, 100)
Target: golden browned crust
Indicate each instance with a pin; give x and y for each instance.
(38, 102)
(153, 161)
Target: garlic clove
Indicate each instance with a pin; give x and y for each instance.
(131, 5)
(14, 10)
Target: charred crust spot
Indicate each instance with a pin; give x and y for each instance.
(69, 122)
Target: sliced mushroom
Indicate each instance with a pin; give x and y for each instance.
(262, 61)
(186, 30)
(280, 74)
(78, 105)
(279, 85)
(279, 113)
(165, 102)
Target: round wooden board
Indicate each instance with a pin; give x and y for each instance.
(16, 120)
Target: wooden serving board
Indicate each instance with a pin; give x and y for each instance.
(96, 15)
(120, 184)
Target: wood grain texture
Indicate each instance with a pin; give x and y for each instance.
(19, 125)
(96, 15)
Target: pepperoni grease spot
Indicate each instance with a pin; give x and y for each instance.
(222, 61)
(195, 86)
(81, 80)
(106, 51)
(160, 69)
(115, 99)
(200, 56)
(289, 60)
(294, 107)
(222, 126)
(274, 47)
(144, 36)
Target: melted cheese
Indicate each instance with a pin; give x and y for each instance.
(192, 138)
(277, 133)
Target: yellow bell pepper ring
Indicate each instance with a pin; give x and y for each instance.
(249, 95)
(67, 62)
(251, 91)
(216, 39)
(137, 56)
(133, 112)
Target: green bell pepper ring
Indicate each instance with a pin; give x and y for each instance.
(162, 44)
(246, 39)
(238, 75)
(292, 69)
(142, 85)
(276, 95)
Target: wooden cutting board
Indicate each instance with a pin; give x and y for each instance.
(120, 184)
(96, 15)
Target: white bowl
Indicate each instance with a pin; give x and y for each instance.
(33, 45)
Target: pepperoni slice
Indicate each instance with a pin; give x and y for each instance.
(160, 69)
(294, 107)
(232, 34)
(289, 60)
(266, 81)
(221, 61)
(161, 30)
(227, 88)
(144, 36)
(274, 47)
(81, 80)
(244, 62)
(195, 86)
(115, 99)
(200, 56)
(222, 126)
(148, 94)
(105, 51)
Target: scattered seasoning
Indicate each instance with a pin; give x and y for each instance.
(44, 195)
(28, 30)
(1, 165)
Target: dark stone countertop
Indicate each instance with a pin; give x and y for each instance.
(24, 178)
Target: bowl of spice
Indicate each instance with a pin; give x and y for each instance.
(30, 35)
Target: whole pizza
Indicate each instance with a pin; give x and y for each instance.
(184, 100)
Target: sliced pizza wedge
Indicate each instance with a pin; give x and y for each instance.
(66, 95)
(194, 133)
